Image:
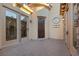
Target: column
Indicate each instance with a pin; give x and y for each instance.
(33, 26)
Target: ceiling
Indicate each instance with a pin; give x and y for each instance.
(30, 7)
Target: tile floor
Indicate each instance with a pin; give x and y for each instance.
(47, 47)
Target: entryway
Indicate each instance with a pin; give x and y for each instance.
(41, 27)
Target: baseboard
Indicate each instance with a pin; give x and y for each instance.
(55, 38)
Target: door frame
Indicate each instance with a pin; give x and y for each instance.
(44, 26)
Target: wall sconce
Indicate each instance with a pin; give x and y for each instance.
(63, 8)
(30, 21)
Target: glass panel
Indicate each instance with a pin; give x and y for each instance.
(23, 26)
(11, 25)
(76, 26)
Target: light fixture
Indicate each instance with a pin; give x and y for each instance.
(39, 6)
(24, 10)
(23, 7)
(63, 8)
(14, 5)
(30, 10)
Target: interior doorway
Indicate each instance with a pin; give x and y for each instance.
(41, 27)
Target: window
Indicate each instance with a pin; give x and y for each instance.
(75, 25)
(23, 26)
(11, 25)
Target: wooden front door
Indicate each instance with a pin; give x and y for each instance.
(41, 27)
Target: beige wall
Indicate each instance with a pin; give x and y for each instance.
(69, 28)
(56, 33)
(33, 26)
(2, 25)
